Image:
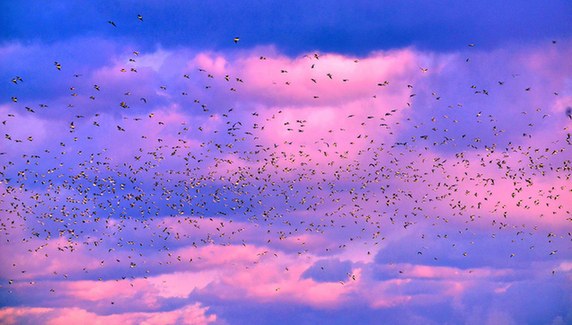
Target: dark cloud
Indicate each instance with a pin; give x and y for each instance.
(329, 270)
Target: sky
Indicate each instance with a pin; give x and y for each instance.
(265, 162)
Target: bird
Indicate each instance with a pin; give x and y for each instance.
(315, 172)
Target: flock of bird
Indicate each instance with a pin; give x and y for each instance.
(91, 187)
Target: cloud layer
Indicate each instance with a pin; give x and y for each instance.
(188, 185)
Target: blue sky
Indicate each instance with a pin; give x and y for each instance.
(350, 27)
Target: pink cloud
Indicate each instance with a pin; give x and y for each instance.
(93, 291)
(471, 188)
(211, 62)
(39, 258)
(190, 314)
(445, 283)
(333, 78)
(257, 272)
(13, 316)
(20, 139)
(449, 273)
(281, 280)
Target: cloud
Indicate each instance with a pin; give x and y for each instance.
(191, 314)
(331, 270)
(440, 190)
